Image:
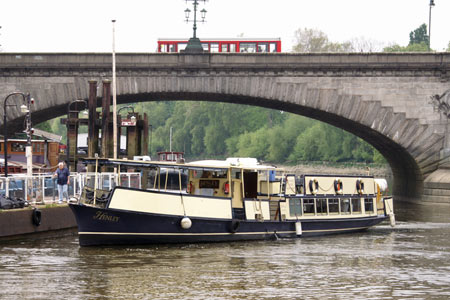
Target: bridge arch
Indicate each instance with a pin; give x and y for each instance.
(383, 99)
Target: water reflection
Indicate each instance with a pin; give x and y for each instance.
(411, 261)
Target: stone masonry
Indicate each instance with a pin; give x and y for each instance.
(383, 98)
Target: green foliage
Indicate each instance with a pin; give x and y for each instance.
(418, 42)
(422, 47)
(219, 130)
(419, 35)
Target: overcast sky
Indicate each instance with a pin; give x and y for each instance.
(85, 25)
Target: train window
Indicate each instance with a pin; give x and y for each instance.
(181, 46)
(224, 48)
(232, 47)
(273, 47)
(172, 48)
(248, 47)
(263, 47)
(214, 47)
(163, 48)
(205, 47)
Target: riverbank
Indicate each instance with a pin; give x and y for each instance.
(40, 220)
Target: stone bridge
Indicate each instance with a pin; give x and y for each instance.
(384, 99)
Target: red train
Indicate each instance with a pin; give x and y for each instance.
(224, 45)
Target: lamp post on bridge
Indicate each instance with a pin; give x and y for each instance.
(429, 25)
(25, 108)
(194, 45)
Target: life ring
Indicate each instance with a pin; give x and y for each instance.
(36, 216)
(338, 186)
(313, 186)
(234, 226)
(360, 186)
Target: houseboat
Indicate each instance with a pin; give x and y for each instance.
(220, 201)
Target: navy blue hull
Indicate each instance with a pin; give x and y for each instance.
(98, 226)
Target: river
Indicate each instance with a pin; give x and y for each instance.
(410, 261)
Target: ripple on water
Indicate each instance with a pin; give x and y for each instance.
(411, 261)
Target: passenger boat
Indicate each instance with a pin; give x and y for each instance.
(221, 201)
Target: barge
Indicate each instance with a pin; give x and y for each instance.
(223, 201)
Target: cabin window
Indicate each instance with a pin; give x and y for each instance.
(205, 47)
(321, 206)
(333, 206)
(232, 47)
(295, 207)
(308, 206)
(356, 205)
(172, 48)
(17, 147)
(345, 206)
(38, 147)
(368, 205)
(211, 174)
(235, 174)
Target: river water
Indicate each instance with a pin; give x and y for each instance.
(410, 261)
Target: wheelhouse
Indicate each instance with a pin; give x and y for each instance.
(242, 45)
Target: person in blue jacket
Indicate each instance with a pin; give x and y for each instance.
(62, 174)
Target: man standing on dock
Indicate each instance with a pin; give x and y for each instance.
(62, 173)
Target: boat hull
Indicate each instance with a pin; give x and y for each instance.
(98, 226)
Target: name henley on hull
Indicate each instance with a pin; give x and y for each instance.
(222, 201)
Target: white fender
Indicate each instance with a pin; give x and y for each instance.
(186, 223)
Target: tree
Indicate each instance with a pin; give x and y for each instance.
(419, 35)
(361, 44)
(422, 47)
(314, 40)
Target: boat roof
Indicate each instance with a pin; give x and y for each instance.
(243, 163)
(234, 162)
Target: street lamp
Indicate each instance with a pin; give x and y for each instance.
(69, 113)
(429, 26)
(24, 108)
(194, 45)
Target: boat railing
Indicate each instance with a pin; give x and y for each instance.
(97, 187)
(42, 188)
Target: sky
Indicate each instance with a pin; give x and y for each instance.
(85, 25)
